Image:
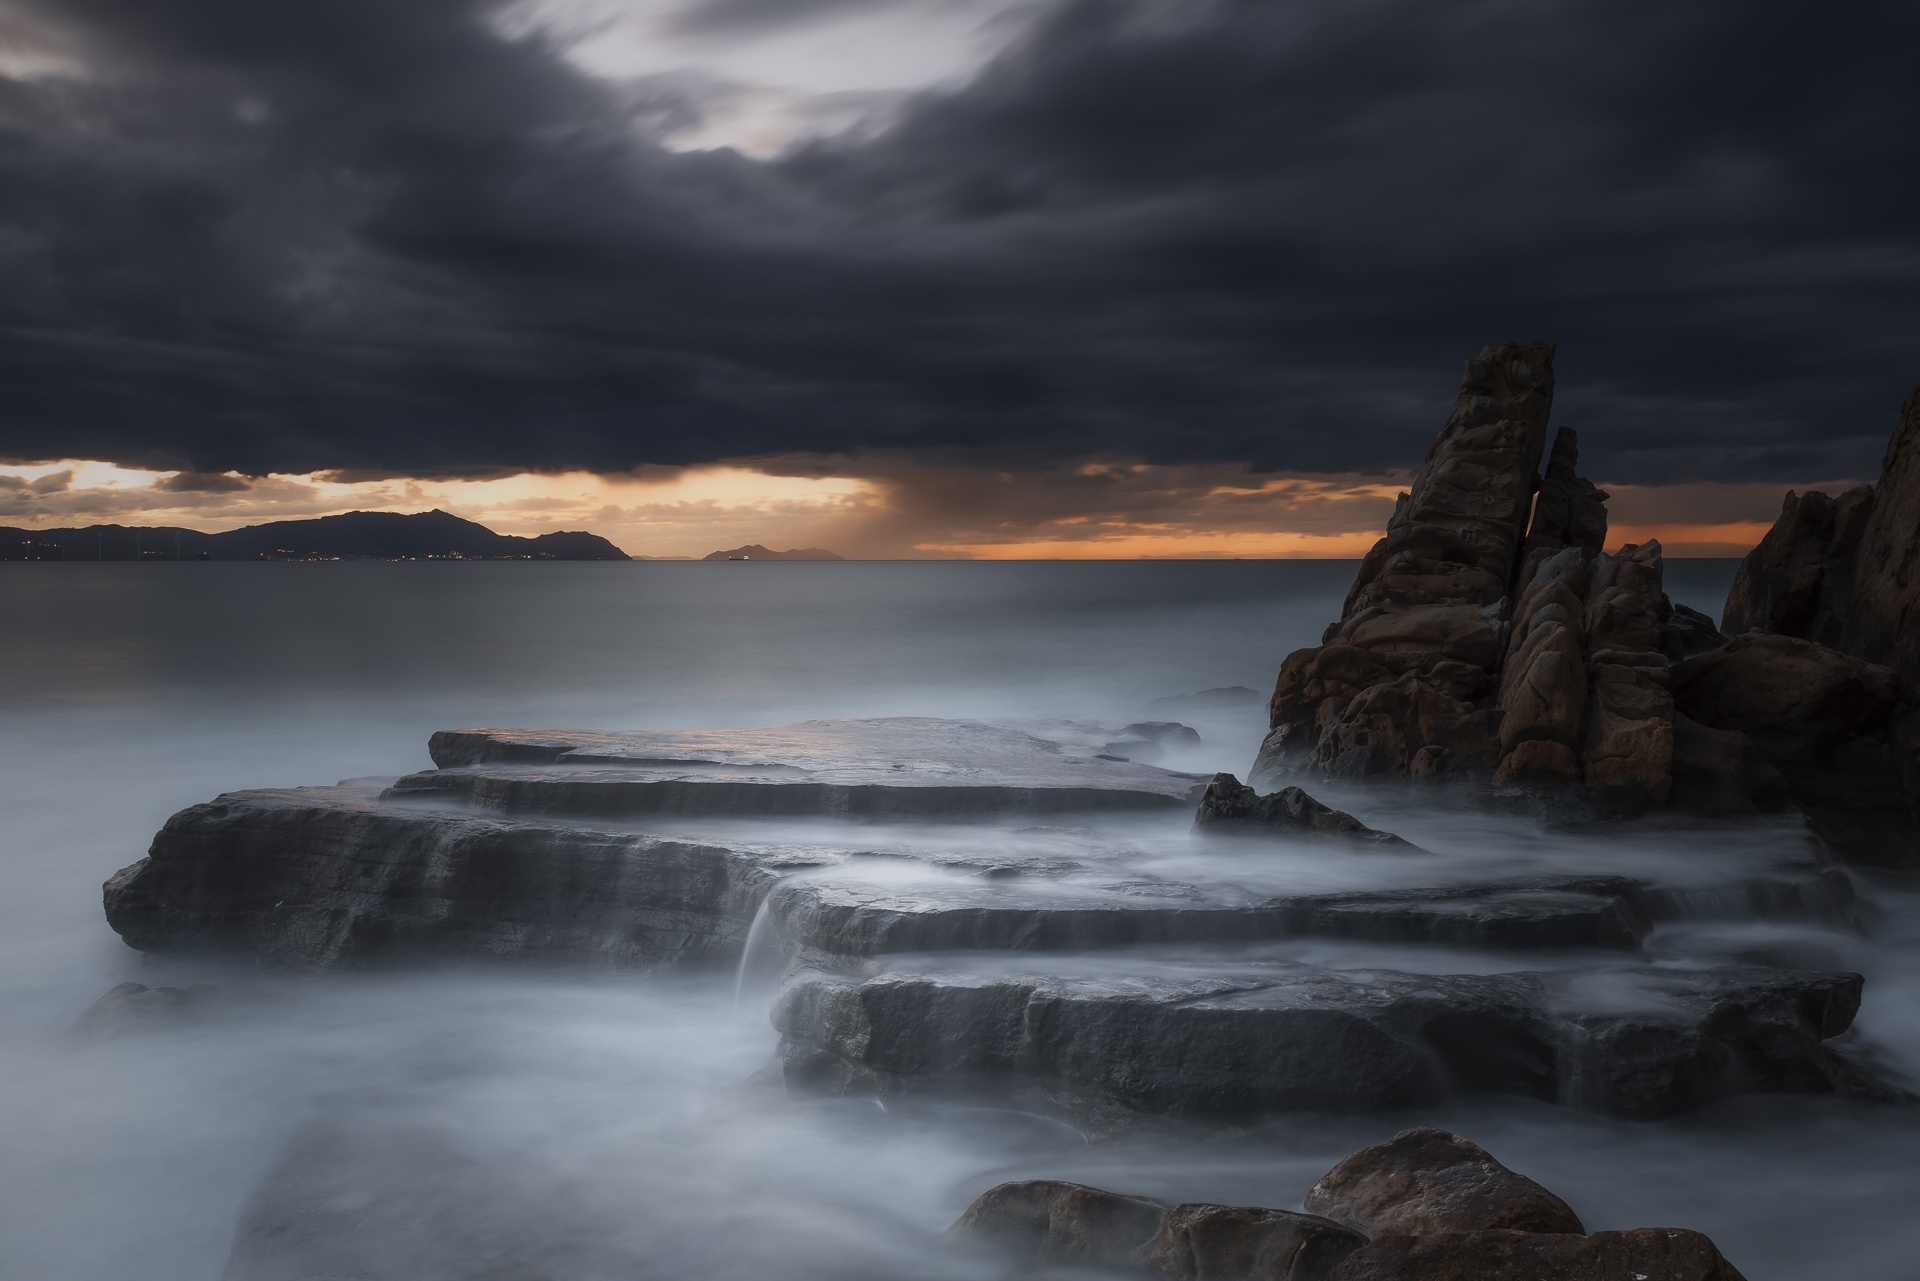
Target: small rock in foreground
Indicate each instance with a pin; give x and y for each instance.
(1201, 1242)
(1228, 805)
(1051, 1221)
(1425, 1181)
(127, 1006)
(1655, 1254)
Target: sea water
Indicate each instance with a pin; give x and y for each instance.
(524, 1124)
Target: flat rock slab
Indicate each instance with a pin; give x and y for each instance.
(826, 918)
(313, 877)
(893, 767)
(1224, 1035)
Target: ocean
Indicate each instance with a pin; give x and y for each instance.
(607, 1126)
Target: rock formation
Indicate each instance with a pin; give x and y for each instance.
(1799, 580)
(1512, 654)
(1050, 1221)
(1883, 618)
(1230, 806)
(1425, 1181)
(1427, 1205)
(1488, 637)
(1821, 676)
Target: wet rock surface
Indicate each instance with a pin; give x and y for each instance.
(1200, 1242)
(1426, 1181)
(1206, 1034)
(1229, 806)
(1049, 1221)
(307, 878)
(1668, 1254)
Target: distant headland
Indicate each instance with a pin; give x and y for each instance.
(433, 535)
(754, 551)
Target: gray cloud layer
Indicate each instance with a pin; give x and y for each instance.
(378, 236)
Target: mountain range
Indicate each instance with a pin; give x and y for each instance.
(433, 535)
(754, 551)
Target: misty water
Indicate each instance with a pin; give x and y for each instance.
(587, 1125)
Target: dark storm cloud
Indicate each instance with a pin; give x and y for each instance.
(379, 237)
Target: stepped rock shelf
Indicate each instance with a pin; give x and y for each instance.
(1062, 930)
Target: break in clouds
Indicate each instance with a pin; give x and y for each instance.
(431, 239)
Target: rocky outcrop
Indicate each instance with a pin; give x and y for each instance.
(1210, 1035)
(1202, 1242)
(1883, 619)
(1488, 637)
(1426, 1181)
(1402, 681)
(1050, 1221)
(1522, 660)
(1835, 729)
(1799, 580)
(1671, 1254)
(1229, 806)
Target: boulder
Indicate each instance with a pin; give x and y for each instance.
(1229, 806)
(1641, 1254)
(1883, 618)
(1686, 631)
(1199, 1242)
(1837, 730)
(1050, 1221)
(1798, 581)
(1426, 1181)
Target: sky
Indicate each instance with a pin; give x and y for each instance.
(975, 278)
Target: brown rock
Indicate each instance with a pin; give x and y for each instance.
(1425, 614)
(1247, 1243)
(1799, 580)
(1643, 1254)
(1883, 618)
(1570, 511)
(1721, 774)
(1426, 1181)
(1834, 727)
(1229, 806)
(1383, 729)
(1056, 1222)
(1624, 600)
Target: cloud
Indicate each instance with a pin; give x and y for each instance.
(203, 482)
(396, 239)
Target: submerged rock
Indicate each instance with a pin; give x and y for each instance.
(1426, 1181)
(1051, 1221)
(1228, 805)
(1640, 1254)
(129, 1007)
(1201, 1242)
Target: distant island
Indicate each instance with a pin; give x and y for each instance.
(754, 551)
(434, 535)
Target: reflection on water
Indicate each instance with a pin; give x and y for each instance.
(569, 1126)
